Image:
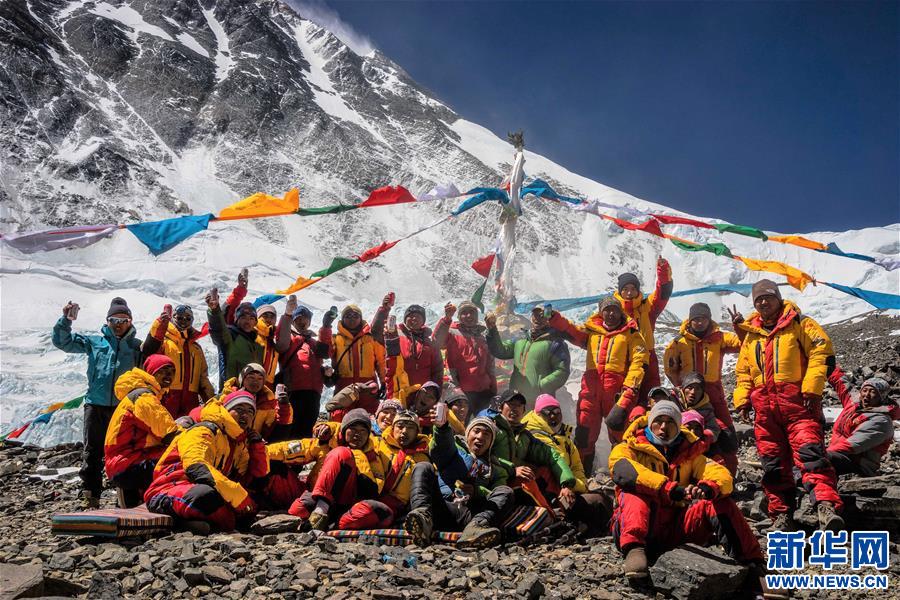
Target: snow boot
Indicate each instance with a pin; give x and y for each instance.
(636, 564)
(478, 535)
(829, 520)
(419, 524)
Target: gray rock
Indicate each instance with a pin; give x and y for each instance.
(530, 586)
(193, 576)
(61, 561)
(694, 573)
(113, 557)
(21, 581)
(104, 586)
(217, 574)
(869, 485)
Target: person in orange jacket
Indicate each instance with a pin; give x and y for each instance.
(266, 322)
(616, 360)
(700, 347)
(271, 409)
(357, 351)
(174, 336)
(140, 428)
(644, 310)
(784, 361)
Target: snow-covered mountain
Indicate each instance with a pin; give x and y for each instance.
(116, 111)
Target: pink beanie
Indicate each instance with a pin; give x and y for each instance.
(545, 401)
(692, 416)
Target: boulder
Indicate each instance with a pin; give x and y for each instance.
(21, 581)
(694, 573)
(276, 524)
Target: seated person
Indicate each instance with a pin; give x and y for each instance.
(188, 482)
(384, 416)
(140, 428)
(465, 487)
(723, 441)
(458, 403)
(270, 410)
(354, 395)
(863, 432)
(354, 470)
(668, 494)
(533, 460)
(546, 424)
(283, 486)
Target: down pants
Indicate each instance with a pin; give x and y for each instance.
(595, 400)
(194, 502)
(448, 515)
(716, 394)
(353, 498)
(789, 435)
(639, 520)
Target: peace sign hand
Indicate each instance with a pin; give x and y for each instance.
(734, 314)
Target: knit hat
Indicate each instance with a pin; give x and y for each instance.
(183, 308)
(301, 310)
(700, 309)
(455, 395)
(244, 309)
(351, 308)
(467, 305)
(250, 368)
(659, 390)
(545, 401)
(407, 416)
(692, 416)
(665, 408)
(432, 386)
(266, 308)
(881, 387)
(626, 278)
(483, 422)
(357, 416)
(118, 306)
(155, 362)
(388, 405)
(693, 378)
(511, 394)
(608, 302)
(765, 287)
(239, 397)
(414, 309)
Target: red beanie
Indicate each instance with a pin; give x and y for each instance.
(155, 362)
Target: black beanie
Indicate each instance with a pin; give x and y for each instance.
(118, 306)
(700, 309)
(414, 309)
(626, 278)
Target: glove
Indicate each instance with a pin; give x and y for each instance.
(674, 492)
(627, 398)
(247, 507)
(709, 492)
(329, 317)
(253, 437)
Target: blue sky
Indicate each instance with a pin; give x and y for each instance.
(778, 115)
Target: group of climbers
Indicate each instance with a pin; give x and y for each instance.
(401, 444)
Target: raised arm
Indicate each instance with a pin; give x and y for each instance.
(659, 298)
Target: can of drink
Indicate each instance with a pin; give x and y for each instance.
(440, 413)
(280, 390)
(73, 312)
(167, 309)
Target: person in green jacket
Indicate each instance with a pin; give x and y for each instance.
(532, 459)
(238, 342)
(540, 359)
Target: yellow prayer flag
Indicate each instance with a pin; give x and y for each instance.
(262, 205)
(796, 240)
(795, 277)
(302, 282)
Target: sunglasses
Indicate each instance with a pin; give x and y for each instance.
(551, 412)
(118, 320)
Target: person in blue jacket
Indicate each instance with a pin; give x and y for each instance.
(116, 350)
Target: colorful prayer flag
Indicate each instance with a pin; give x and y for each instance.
(299, 284)
(326, 210)
(376, 251)
(483, 265)
(262, 205)
(54, 239)
(740, 230)
(387, 195)
(160, 236)
(673, 220)
(880, 300)
(337, 263)
(795, 277)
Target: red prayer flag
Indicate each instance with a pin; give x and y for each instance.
(376, 250)
(386, 195)
(671, 220)
(483, 265)
(650, 226)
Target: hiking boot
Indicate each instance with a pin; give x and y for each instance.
(89, 501)
(418, 524)
(318, 521)
(636, 564)
(196, 527)
(478, 535)
(829, 520)
(782, 522)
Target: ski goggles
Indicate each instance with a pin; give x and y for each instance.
(118, 320)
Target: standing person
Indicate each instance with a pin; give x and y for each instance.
(700, 347)
(141, 428)
(421, 358)
(267, 316)
(645, 310)
(615, 367)
(864, 431)
(303, 374)
(781, 373)
(172, 334)
(357, 351)
(238, 343)
(540, 359)
(112, 353)
(469, 359)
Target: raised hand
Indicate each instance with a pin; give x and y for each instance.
(244, 277)
(70, 310)
(449, 310)
(329, 317)
(290, 305)
(734, 314)
(212, 299)
(490, 320)
(388, 300)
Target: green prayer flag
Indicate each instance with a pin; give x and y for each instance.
(478, 295)
(740, 230)
(73, 403)
(326, 210)
(716, 248)
(337, 263)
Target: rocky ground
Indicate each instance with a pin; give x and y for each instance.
(38, 483)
